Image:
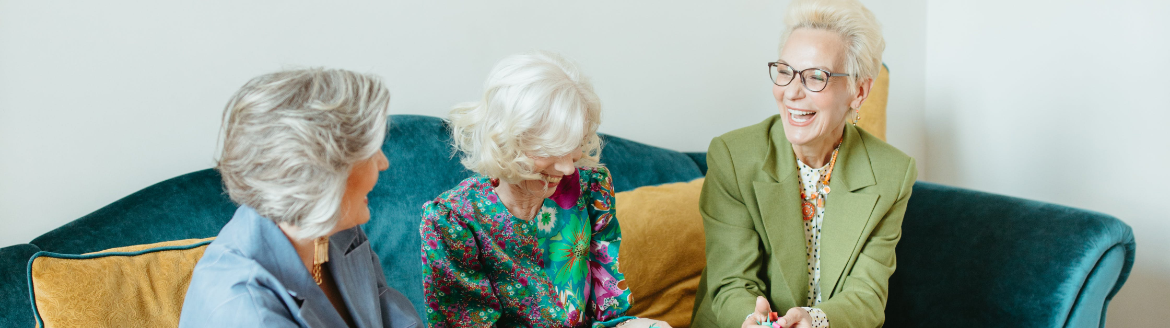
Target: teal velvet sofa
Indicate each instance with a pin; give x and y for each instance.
(966, 258)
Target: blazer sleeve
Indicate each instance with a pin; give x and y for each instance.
(397, 311)
(861, 302)
(733, 254)
(246, 305)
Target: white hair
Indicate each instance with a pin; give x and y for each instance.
(290, 139)
(856, 25)
(534, 104)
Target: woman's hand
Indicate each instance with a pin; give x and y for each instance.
(796, 318)
(759, 315)
(643, 323)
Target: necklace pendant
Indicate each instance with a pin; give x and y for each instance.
(821, 202)
(808, 210)
(826, 190)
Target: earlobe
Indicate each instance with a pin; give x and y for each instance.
(863, 88)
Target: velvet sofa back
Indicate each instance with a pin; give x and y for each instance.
(195, 205)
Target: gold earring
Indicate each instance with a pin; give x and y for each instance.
(320, 256)
(856, 116)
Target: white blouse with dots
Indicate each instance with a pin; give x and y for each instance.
(810, 180)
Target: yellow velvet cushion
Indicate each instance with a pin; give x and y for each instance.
(133, 286)
(662, 251)
(873, 110)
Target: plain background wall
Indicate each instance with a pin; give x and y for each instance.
(1064, 102)
(100, 99)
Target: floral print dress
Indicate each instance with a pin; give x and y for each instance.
(484, 267)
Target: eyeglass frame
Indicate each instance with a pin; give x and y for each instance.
(801, 74)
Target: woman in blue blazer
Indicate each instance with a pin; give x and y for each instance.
(301, 149)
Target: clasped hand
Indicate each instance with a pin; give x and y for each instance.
(794, 318)
(644, 323)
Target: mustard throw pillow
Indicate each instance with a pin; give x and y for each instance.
(133, 286)
(873, 110)
(662, 251)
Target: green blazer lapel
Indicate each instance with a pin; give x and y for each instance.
(780, 212)
(847, 211)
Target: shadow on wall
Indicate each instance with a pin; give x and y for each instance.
(1143, 301)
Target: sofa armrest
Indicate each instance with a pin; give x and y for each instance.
(15, 307)
(971, 258)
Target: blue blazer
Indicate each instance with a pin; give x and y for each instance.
(251, 276)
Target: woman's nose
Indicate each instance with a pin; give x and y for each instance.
(794, 90)
(383, 162)
(565, 165)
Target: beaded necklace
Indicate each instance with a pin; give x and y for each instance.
(810, 202)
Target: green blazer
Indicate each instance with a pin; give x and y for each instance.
(755, 232)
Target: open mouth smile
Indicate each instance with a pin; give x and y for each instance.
(799, 117)
(551, 179)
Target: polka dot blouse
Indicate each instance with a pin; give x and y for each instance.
(810, 182)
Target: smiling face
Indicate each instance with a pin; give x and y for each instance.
(355, 207)
(815, 118)
(551, 170)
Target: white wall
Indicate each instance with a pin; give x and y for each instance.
(1064, 102)
(100, 99)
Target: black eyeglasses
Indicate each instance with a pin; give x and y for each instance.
(814, 79)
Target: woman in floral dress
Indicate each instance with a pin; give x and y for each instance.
(531, 239)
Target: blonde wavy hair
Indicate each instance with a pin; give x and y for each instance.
(290, 139)
(856, 25)
(535, 104)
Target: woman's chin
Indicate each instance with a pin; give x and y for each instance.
(799, 135)
(350, 220)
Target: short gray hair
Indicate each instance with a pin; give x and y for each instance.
(857, 26)
(291, 137)
(535, 103)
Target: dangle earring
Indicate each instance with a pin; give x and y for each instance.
(856, 116)
(320, 256)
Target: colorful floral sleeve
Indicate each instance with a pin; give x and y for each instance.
(456, 291)
(609, 298)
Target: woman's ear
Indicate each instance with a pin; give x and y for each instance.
(861, 93)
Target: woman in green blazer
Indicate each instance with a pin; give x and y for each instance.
(803, 210)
